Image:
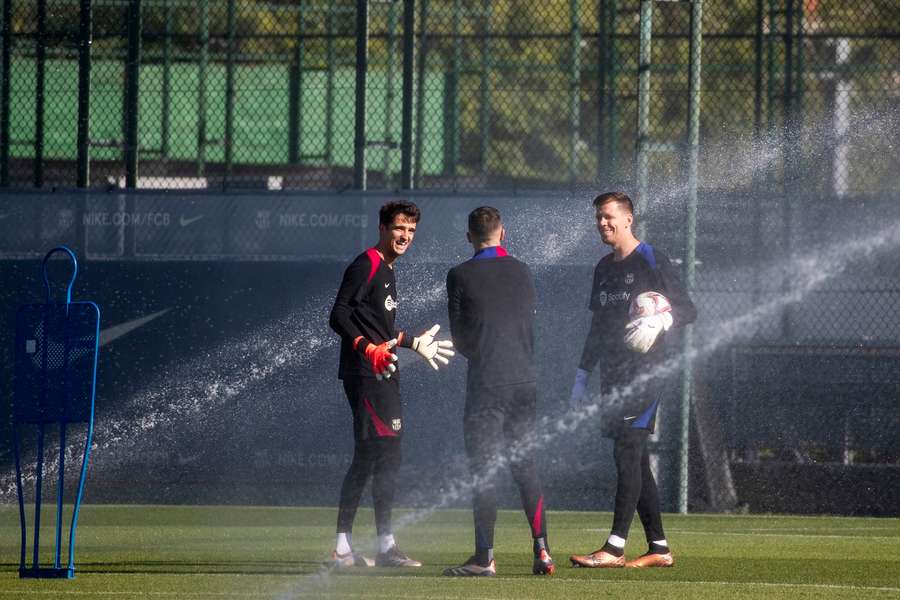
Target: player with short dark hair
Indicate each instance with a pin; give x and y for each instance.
(492, 305)
(363, 315)
(624, 346)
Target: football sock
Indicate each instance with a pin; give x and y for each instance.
(659, 547)
(385, 542)
(540, 544)
(484, 556)
(342, 546)
(615, 545)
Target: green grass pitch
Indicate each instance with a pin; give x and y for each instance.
(259, 552)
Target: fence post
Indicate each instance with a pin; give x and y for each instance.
(603, 35)
(166, 80)
(787, 137)
(574, 88)
(696, 50)
(4, 93)
(40, 99)
(330, 58)
(422, 72)
(485, 88)
(451, 96)
(643, 116)
(759, 173)
(295, 90)
(390, 67)
(758, 72)
(201, 85)
(362, 65)
(406, 117)
(84, 93)
(612, 105)
(229, 94)
(132, 83)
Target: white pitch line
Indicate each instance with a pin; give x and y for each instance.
(630, 582)
(368, 594)
(756, 534)
(801, 535)
(897, 529)
(179, 594)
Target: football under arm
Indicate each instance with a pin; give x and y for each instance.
(683, 309)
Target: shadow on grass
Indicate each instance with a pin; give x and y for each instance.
(187, 567)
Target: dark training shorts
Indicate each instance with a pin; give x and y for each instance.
(376, 406)
(642, 416)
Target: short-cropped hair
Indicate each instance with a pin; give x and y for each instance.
(396, 207)
(620, 198)
(484, 221)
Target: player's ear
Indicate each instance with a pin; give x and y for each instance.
(502, 233)
(468, 237)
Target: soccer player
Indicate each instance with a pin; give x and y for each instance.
(625, 348)
(363, 315)
(491, 305)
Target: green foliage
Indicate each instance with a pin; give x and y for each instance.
(524, 86)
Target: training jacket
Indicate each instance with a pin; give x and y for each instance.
(615, 285)
(491, 305)
(366, 305)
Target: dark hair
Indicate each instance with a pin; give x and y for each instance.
(395, 207)
(483, 221)
(620, 198)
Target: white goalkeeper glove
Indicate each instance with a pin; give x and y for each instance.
(641, 333)
(431, 349)
(578, 388)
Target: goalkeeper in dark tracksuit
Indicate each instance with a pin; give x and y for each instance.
(491, 303)
(363, 315)
(622, 347)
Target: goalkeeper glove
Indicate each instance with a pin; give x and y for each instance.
(431, 349)
(581, 379)
(380, 357)
(641, 333)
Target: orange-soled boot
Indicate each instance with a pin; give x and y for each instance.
(651, 559)
(598, 559)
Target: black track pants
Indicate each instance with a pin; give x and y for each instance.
(499, 429)
(636, 487)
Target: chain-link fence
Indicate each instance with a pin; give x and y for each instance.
(246, 94)
(799, 113)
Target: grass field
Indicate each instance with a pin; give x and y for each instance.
(224, 552)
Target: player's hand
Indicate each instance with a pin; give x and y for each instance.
(381, 358)
(431, 349)
(641, 333)
(576, 398)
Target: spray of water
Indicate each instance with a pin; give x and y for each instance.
(808, 273)
(290, 342)
(182, 396)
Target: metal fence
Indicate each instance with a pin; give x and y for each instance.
(798, 104)
(459, 94)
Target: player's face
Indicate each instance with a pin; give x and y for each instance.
(397, 237)
(613, 223)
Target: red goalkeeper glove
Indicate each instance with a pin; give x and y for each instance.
(380, 357)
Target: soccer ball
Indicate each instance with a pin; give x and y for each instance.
(647, 304)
